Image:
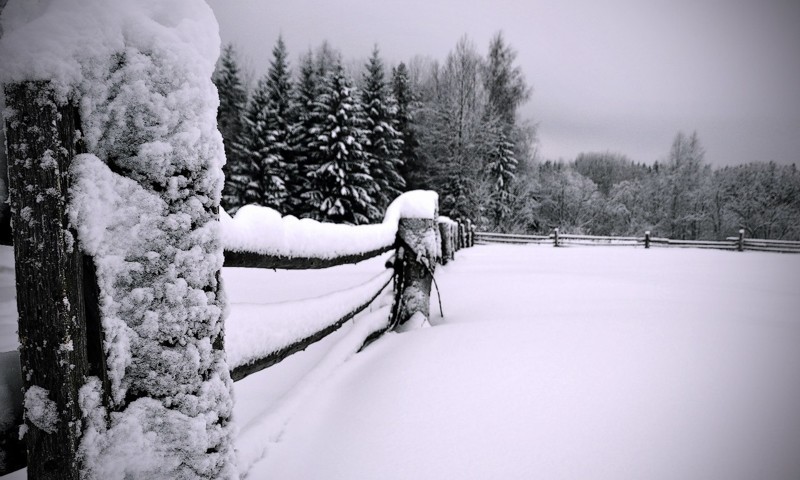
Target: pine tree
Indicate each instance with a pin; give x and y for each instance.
(340, 188)
(383, 142)
(302, 119)
(410, 169)
(232, 103)
(263, 144)
(501, 167)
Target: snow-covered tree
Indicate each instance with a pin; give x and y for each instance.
(232, 104)
(301, 119)
(501, 168)
(406, 102)
(383, 143)
(263, 144)
(340, 189)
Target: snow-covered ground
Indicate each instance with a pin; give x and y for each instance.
(570, 363)
(582, 362)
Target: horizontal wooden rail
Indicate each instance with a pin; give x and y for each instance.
(693, 243)
(767, 241)
(512, 235)
(277, 356)
(263, 260)
(600, 238)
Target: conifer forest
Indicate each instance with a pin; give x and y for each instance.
(335, 140)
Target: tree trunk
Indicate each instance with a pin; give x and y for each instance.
(52, 330)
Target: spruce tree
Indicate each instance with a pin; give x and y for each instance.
(232, 103)
(340, 189)
(383, 142)
(263, 144)
(501, 167)
(302, 119)
(410, 169)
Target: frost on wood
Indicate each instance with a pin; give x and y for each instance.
(40, 410)
(263, 230)
(144, 204)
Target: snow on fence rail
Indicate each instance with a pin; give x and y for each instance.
(559, 239)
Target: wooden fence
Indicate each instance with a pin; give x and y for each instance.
(558, 239)
(410, 271)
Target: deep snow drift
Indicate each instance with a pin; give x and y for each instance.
(571, 363)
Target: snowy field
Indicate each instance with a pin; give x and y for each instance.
(568, 363)
(583, 362)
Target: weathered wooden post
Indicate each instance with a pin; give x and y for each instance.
(647, 239)
(555, 237)
(418, 255)
(740, 241)
(470, 230)
(454, 238)
(41, 143)
(152, 232)
(446, 241)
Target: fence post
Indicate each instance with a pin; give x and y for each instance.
(460, 237)
(647, 239)
(555, 237)
(416, 237)
(41, 144)
(470, 229)
(740, 242)
(445, 233)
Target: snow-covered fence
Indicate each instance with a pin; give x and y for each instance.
(259, 237)
(559, 239)
(490, 237)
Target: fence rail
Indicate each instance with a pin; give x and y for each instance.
(273, 357)
(559, 240)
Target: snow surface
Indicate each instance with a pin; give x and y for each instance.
(260, 229)
(576, 362)
(253, 331)
(581, 362)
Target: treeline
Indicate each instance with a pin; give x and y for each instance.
(322, 142)
(681, 197)
(337, 142)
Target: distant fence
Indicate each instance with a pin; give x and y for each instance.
(558, 239)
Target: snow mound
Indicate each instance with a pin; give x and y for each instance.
(264, 230)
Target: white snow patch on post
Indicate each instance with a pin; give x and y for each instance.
(40, 410)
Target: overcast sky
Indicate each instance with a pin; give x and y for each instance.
(619, 75)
